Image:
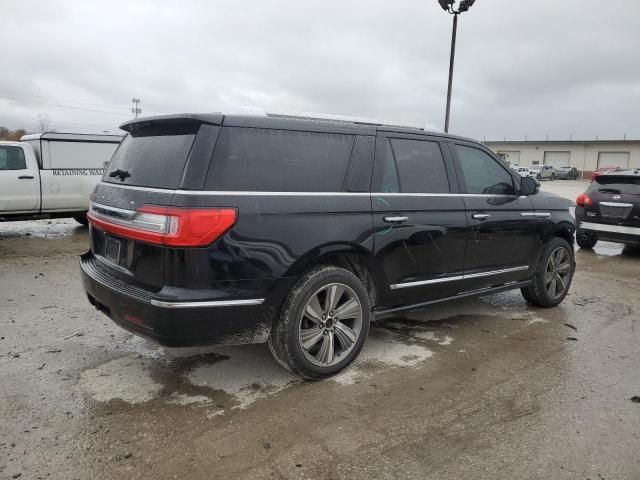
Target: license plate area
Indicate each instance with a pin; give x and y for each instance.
(611, 211)
(112, 248)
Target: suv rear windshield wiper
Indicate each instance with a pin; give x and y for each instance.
(121, 174)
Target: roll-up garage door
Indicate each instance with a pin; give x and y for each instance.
(557, 159)
(613, 159)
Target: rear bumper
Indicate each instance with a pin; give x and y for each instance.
(225, 317)
(613, 233)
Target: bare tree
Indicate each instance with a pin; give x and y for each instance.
(44, 122)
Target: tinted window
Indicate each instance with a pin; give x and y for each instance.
(12, 158)
(617, 184)
(254, 159)
(420, 166)
(482, 173)
(358, 177)
(388, 173)
(153, 155)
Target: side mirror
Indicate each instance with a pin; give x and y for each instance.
(529, 186)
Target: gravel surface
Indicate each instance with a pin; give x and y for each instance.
(485, 389)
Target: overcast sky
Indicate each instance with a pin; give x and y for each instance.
(533, 67)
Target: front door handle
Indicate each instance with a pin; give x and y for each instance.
(396, 219)
(480, 216)
(25, 177)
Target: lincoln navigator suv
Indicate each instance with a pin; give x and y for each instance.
(299, 232)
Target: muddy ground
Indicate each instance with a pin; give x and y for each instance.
(483, 389)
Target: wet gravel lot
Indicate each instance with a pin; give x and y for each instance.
(488, 388)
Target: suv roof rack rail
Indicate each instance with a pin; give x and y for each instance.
(324, 117)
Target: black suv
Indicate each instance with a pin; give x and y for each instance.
(610, 209)
(298, 232)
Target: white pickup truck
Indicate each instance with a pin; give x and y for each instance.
(49, 175)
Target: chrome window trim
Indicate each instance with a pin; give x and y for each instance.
(300, 194)
(602, 227)
(203, 304)
(397, 286)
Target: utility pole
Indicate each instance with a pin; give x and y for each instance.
(448, 6)
(135, 109)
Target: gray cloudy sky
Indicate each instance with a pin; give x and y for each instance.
(537, 67)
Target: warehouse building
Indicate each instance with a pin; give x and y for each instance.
(585, 155)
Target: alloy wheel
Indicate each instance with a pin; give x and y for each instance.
(330, 324)
(558, 272)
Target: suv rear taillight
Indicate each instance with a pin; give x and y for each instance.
(170, 226)
(584, 200)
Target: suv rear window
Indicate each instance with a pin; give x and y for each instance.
(153, 155)
(617, 184)
(256, 159)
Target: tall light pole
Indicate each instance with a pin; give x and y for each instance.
(448, 6)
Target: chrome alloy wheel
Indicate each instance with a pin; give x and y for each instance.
(558, 272)
(330, 324)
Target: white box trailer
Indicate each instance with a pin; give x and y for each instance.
(52, 174)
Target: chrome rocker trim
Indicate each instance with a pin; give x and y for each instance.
(397, 286)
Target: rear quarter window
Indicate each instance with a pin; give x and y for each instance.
(153, 155)
(256, 159)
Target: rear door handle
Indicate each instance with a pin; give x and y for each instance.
(396, 219)
(480, 216)
(25, 177)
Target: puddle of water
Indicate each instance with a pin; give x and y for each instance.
(184, 399)
(383, 349)
(248, 374)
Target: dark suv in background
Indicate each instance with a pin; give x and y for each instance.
(299, 232)
(610, 209)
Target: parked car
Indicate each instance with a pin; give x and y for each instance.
(602, 170)
(523, 171)
(287, 232)
(542, 172)
(610, 209)
(52, 174)
(567, 173)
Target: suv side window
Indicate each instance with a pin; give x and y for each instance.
(482, 174)
(12, 158)
(413, 166)
(258, 159)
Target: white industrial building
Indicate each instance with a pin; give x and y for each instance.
(585, 155)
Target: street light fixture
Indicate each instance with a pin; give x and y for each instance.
(449, 7)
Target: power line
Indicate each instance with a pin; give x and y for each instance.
(64, 103)
(63, 100)
(56, 122)
(63, 106)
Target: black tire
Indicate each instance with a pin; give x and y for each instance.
(81, 218)
(285, 341)
(539, 177)
(586, 241)
(539, 293)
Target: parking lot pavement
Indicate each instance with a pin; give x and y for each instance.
(487, 388)
(569, 189)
